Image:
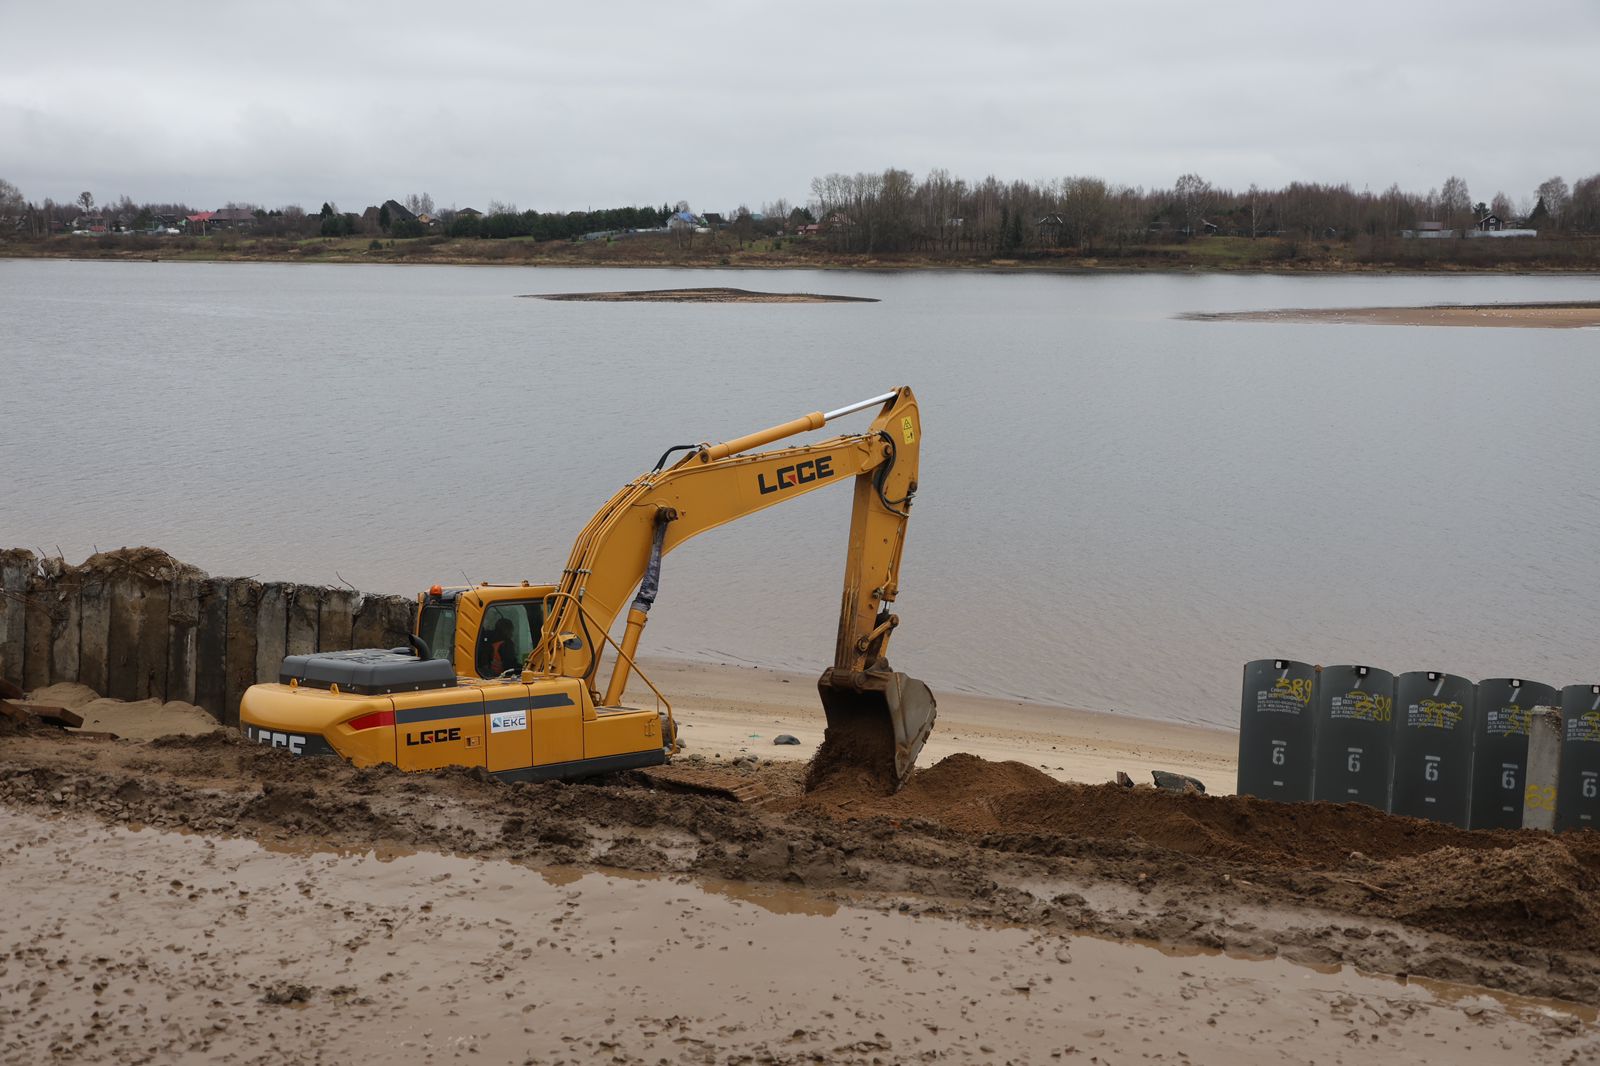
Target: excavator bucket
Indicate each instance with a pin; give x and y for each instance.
(877, 724)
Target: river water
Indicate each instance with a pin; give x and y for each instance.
(1118, 507)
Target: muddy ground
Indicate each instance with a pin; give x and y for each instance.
(993, 842)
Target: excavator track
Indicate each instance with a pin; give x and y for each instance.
(721, 784)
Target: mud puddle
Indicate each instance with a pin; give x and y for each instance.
(150, 946)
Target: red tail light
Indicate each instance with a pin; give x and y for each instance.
(372, 721)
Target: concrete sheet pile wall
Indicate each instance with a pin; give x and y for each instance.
(138, 624)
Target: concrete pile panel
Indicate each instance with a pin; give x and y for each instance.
(16, 566)
(39, 619)
(1434, 723)
(336, 620)
(304, 606)
(368, 626)
(399, 620)
(239, 673)
(1578, 794)
(1500, 749)
(138, 632)
(183, 624)
(94, 655)
(272, 629)
(66, 629)
(1275, 730)
(1354, 735)
(211, 645)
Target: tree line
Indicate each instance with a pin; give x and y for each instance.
(896, 211)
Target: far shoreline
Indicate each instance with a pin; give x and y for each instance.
(986, 268)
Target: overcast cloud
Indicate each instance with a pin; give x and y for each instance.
(572, 105)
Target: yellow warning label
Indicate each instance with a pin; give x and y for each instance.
(908, 429)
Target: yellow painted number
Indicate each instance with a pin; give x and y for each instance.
(1539, 798)
(908, 430)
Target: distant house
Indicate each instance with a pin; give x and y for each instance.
(469, 212)
(714, 220)
(398, 212)
(197, 223)
(679, 221)
(1490, 222)
(1049, 228)
(233, 218)
(837, 220)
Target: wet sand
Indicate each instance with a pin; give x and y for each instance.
(1522, 316)
(725, 712)
(702, 296)
(154, 947)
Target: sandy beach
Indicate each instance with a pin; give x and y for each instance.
(725, 712)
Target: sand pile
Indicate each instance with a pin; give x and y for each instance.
(141, 720)
(701, 296)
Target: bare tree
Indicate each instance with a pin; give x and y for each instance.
(1192, 195)
(1556, 198)
(86, 201)
(1083, 209)
(11, 203)
(1455, 203)
(1501, 205)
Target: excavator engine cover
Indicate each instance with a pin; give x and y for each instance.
(877, 724)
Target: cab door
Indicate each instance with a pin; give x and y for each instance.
(506, 636)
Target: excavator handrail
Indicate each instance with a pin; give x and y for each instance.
(672, 724)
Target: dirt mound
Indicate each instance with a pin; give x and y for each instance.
(68, 694)
(1310, 835)
(1538, 892)
(143, 563)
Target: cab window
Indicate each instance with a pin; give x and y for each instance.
(437, 628)
(507, 636)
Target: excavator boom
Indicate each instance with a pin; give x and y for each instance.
(877, 719)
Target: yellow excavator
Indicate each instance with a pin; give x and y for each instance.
(506, 677)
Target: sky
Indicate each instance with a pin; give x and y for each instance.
(611, 102)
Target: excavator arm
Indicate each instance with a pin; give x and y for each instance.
(875, 716)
